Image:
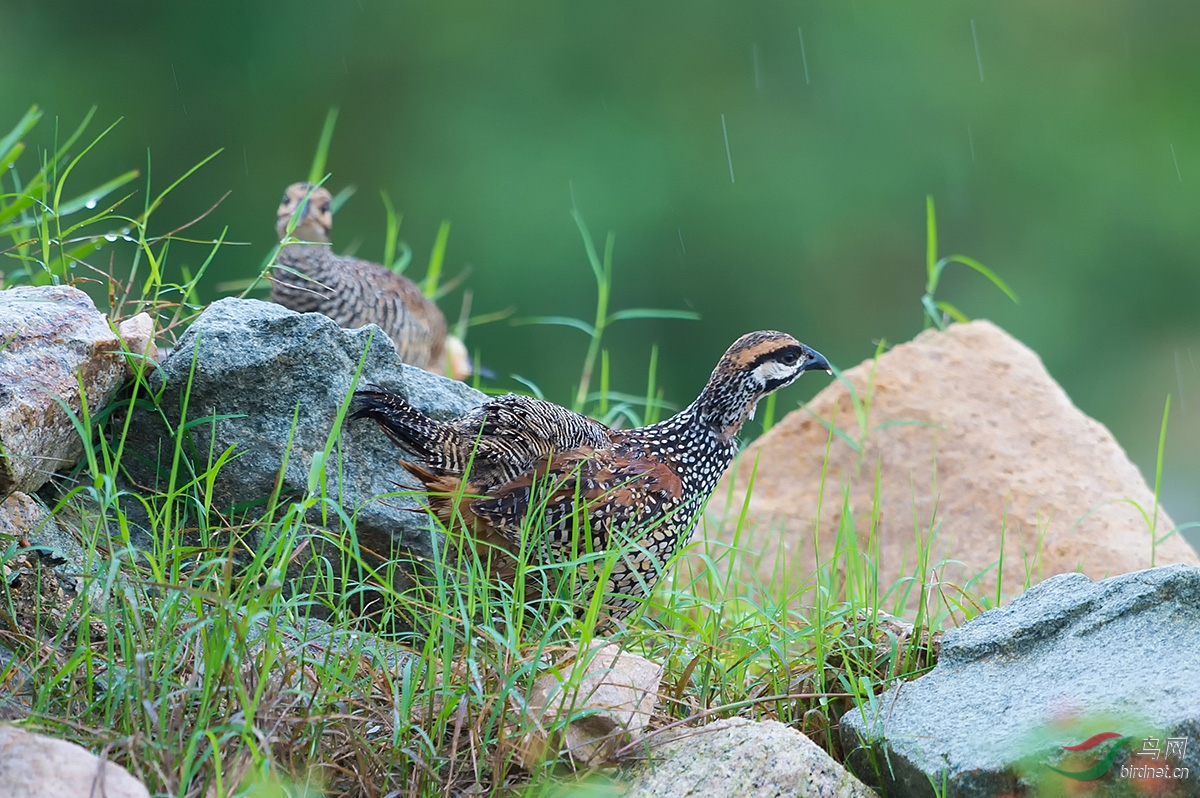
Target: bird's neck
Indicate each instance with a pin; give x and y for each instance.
(722, 407)
(308, 231)
(707, 427)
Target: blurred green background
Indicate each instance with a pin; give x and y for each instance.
(1061, 142)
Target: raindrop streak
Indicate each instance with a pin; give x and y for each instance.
(971, 143)
(681, 246)
(728, 154)
(803, 57)
(1179, 378)
(978, 57)
(175, 75)
(246, 160)
(1178, 173)
(757, 72)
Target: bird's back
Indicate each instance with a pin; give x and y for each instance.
(310, 278)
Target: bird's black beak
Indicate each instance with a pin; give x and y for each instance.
(816, 362)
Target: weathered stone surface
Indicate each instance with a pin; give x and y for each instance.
(274, 381)
(740, 757)
(1067, 660)
(965, 427)
(20, 516)
(50, 338)
(138, 334)
(612, 702)
(33, 766)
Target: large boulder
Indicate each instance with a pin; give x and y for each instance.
(52, 341)
(33, 765)
(266, 384)
(968, 435)
(1019, 686)
(741, 757)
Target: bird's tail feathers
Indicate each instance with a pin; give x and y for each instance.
(407, 426)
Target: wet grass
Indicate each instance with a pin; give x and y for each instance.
(222, 654)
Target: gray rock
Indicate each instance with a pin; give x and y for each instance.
(52, 338)
(23, 517)
(32, 765)
(1068, 660)
(267, 383)
(738, 757)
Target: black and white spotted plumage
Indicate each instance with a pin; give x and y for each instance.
(515, 455)
(310, 278)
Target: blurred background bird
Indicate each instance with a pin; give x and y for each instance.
(310, 278)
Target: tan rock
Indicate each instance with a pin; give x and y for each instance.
(51, 339)
(968, 434)
(741, 757)
(608, 704)
(138, 334)
(20, 516)
(32, 766)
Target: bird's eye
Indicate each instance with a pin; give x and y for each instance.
(789, 358)
(325, 209)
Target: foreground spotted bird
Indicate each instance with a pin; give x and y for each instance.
(519, 456)
(311, 278)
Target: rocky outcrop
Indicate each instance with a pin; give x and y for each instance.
(263, 386)
(740, 757)
(1015, 686)
(34, 765)
(969, 436)
(52, 341)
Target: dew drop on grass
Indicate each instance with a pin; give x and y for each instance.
(110, 237)
(90, 204)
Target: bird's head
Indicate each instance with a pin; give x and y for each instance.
(756, 365)
(312, 206)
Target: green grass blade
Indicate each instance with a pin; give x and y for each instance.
(952, 312)
(931, 270)
(95, 195)
(318, 165)
(986, 272)
(10, 141)
(559, 321)
(436, 258)
(1158, 470)
(393, 233)
(652, 313)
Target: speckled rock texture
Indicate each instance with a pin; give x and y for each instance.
(610, 704)
(52, 339)
(1067, 660)
(967, 428)
(34, 766)
(266, 383)
(738, 757)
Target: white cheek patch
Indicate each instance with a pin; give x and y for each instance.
(772, 370)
